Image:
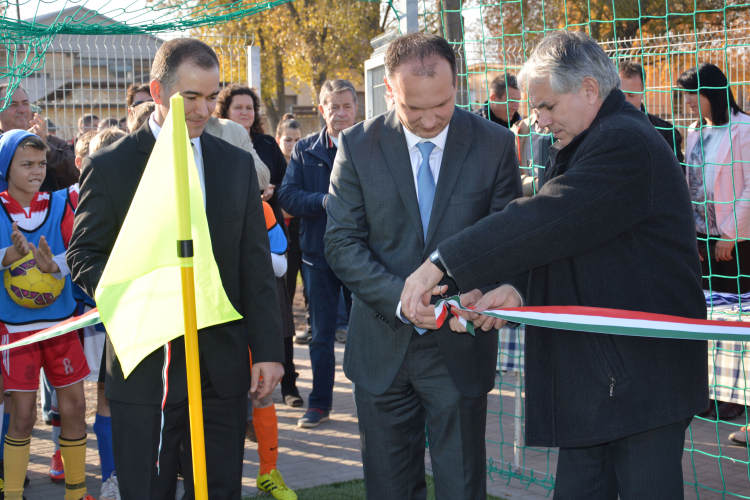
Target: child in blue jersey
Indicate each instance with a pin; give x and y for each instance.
(38, 223)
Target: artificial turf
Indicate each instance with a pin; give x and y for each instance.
(348, 490)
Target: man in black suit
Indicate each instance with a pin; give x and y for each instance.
(505, 98)
(402, 183)
(632, 79)
(612, 227)
(239, 240)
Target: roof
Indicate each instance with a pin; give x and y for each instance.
(145, 44)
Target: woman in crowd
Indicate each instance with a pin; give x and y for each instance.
(718, 175)
(288, 134)
(242, 105)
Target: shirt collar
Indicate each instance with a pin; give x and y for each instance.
(156, 130)
(329, 140)
(439, 140)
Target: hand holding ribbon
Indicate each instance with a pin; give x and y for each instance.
(418, 289)
(499, 298)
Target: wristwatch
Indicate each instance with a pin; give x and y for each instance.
(435, 259)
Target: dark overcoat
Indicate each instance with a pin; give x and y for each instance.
(611, 227)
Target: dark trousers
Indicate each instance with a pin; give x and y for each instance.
(643, 466)
(323, 293)
(289, 380)
(135, 439)
(293, 258)
(726, 275)
(392, 431)
(294, 265)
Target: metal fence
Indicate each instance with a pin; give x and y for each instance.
(90, 74)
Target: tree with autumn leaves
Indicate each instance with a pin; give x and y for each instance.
(310, 41)
(307, 42)
(609, 19)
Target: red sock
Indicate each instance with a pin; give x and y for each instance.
(267, 429)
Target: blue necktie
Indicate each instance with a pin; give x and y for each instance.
(425, 192)
(425, 185)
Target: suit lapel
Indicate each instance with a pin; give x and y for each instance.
(456, 148)
(393, 145)
(212, 175)
(145, 138)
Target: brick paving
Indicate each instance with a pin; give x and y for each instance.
(331, 453)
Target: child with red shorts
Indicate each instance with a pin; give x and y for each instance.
(39, 223)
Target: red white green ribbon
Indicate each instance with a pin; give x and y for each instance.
(601, 320)
(89, 318)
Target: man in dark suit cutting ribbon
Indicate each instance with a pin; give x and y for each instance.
(403, 182)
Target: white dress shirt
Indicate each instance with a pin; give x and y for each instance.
(436, 158)
(197, 154)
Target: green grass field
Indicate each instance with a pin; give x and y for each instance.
(349, 490)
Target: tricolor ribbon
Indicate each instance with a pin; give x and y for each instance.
(89, 318)
(601, 320)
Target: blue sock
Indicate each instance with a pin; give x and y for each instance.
(6, 424)
(103, 431)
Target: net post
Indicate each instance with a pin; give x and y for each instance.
(517, 424)
(253, 67)
(409, 20)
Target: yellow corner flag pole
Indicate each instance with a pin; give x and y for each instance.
(185, 253)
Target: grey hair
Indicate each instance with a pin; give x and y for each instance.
(336, 87)
(566, 58)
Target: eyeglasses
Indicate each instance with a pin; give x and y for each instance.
(136, 103)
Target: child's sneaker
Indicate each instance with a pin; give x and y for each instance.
(110, 489)
(56, 471)
(274, 484)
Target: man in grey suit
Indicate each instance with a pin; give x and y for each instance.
(402, 183)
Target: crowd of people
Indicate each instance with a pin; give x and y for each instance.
(356, 208)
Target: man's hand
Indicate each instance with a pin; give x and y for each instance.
(43, 257)
(499, 298)
(38, 127)
(271, 373)
(467, 300)
(268, 192)
(426, 310)
(724, 249)
(418, 287)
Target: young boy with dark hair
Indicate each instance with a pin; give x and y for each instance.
(39, 223)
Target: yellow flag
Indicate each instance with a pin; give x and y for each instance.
(140, 295)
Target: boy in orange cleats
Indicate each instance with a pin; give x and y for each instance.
(264, 412)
